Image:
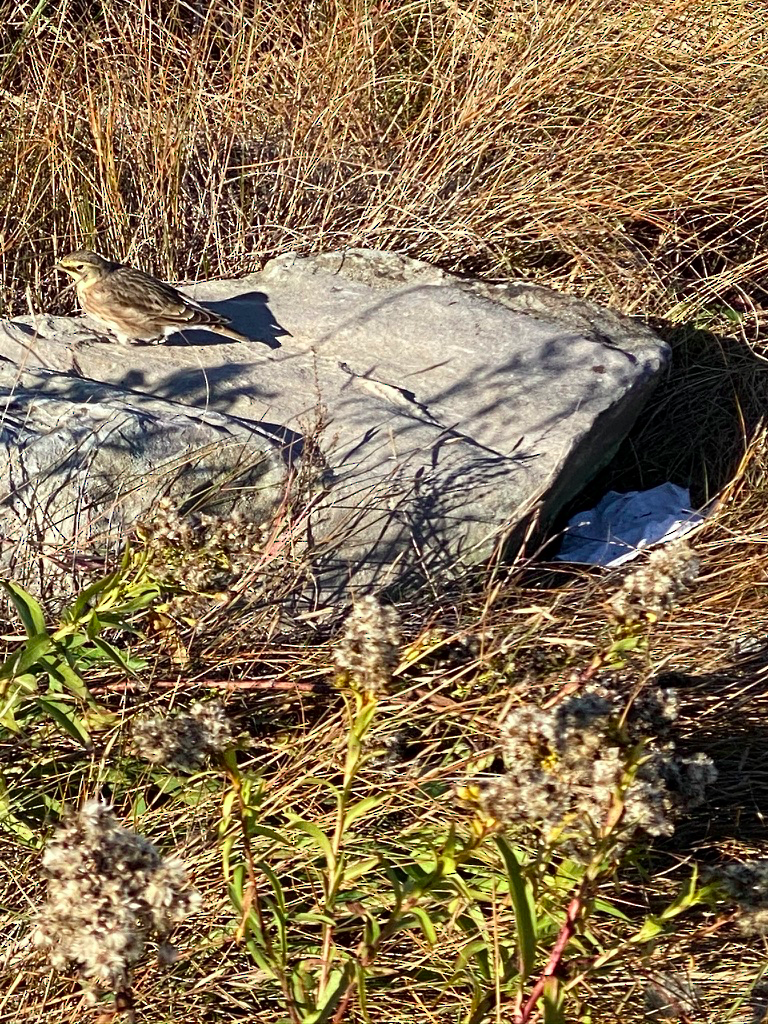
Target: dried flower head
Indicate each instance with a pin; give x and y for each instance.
(657, 586)
(109, 890)
(200, 552)
(747, 885)
(670, 996)
(567, 766)
(186, 740)
(369, 648)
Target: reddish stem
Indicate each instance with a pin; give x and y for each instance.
(564, 937)
(130, 686)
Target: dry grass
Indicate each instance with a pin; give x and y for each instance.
(616, 151)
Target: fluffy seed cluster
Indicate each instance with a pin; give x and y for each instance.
(369, 648)
(565, 766)
(656, 587)
(109, 890)
(200, 552)
(185, 740)
(747, 885)
(389, 753)
(670, 997)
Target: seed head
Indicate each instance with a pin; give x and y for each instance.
(109, 890)
(369, 648)
(186, 740)
(747, 885)
(656, 587)
(568, 765)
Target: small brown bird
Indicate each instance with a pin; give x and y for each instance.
(135, 306)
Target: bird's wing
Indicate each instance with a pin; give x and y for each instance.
(137, 292)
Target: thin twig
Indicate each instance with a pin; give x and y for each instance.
(132, 686)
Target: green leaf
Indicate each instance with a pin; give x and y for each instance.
(74, 612)
(280, 926)
(553, 999)
(66, 719)
(319, 837)
(93, 627)
(329, 998)
(316, 780)
(259, 957)
(356, 869)
(476, 949)
(608, 908)
(117, 621)
(687, 897)
(112, 654)
(569, 873)
(253, 928)
(236, 887)
(371, 931)
(651, 928)
(8, 715)
(394, 881)
(22, 660)
(363, 719)
(60, 673)
(228, 803)
(302, 984)
(362, 992)
(521, 893)
(270, 833)
(362, 807)
(226, 853)
(313, 918)
(426, 924)
(275, 883)
(30, 612)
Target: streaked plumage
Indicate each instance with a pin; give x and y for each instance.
(135, 306)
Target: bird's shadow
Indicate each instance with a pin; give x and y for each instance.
(249, 314)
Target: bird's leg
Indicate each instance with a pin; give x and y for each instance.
(101, 337)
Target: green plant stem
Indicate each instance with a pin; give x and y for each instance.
(252, 901)
(359, 727)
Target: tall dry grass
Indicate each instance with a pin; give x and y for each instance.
(617, 150)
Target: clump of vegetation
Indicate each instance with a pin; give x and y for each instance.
(108, 888)
(567, 766)
(444, 879)
(495, 805)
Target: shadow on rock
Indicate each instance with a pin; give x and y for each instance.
(249, 314)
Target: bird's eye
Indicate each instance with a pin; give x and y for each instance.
(80, 266)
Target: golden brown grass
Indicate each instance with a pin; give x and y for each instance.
(616, 151)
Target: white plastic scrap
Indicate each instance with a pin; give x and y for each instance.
(622, 525)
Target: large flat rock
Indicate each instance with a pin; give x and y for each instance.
(447, 411)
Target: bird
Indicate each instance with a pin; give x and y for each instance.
(136, 307)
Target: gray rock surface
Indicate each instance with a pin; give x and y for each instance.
(85, 461)
(447, 411)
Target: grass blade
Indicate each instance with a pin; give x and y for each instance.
(521, 892)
